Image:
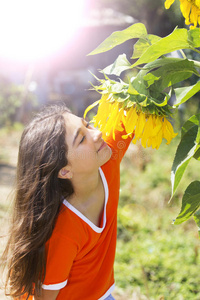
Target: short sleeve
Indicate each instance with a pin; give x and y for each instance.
(118, 145)
(60, 254)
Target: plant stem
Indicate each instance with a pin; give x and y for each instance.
(182, 53)
(194, 49)
(196, 63)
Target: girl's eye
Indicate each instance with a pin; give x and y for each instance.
(82, 139)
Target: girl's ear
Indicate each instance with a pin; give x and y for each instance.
(64, 173)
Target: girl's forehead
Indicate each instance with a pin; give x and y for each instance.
(71, 120)
(72, 124)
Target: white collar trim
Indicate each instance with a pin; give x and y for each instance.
(84, 218)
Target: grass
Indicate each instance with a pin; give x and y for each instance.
(154, 257)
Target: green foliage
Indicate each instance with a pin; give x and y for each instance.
(159, 72)
(190, 202)
(152, 254)
(188, 148)
(151, 89)
(12, 97)
(185, 93)
(119, 37)
(185, 151)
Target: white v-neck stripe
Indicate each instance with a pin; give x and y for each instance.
(84, 218)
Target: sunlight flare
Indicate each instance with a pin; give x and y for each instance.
(31, 30)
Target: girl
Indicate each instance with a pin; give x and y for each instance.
(63, 234)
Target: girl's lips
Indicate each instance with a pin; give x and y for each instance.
(102, 145)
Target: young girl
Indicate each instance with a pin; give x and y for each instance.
(63, 236)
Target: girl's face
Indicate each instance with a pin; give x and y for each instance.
(87, 151)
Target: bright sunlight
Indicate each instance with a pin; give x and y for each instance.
(34, 29)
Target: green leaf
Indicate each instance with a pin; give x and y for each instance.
(194, 37)
(190, 202)
(178, 39)
(191, 122)
(142, 44)
(150, 79)
(131, 90)
(121, 64)
(138, 84)
(197, 154)
(137, 30)
(173, 73)
(159, 102)
(185, 93)
(197, 219)
(184, 153)
(160, 62)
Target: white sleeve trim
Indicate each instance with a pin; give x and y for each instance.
(109, 291)
(57, 286)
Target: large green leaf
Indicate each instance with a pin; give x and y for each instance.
(121, 64)
(191, 122)
(137, 30)
(142, 44)
(190, 202)
(160, 62)
(138, 84)
(177, 40)
(185, 93)
(184, 153)
(173, 73)
(194, 37)
(197, 153)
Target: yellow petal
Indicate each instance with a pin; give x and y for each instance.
(159, 138)
(112, 117)
(168, 132)
(102, 114)
(117, 120)
(157, 125)
(131, 120)
(168, 3)
(194, 16)
(197, 2)
(140, 125)
(90, 107)
(125, 136)
(149, 142)
(153, 142)
(185, 7)
(134, 141)
(148, 128)
(170, 127)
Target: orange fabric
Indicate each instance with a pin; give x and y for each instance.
(78, 254)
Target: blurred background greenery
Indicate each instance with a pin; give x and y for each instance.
(155, 259)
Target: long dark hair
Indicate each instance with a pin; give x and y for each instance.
(38, 198)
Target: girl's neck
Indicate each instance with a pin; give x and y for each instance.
(85, 186)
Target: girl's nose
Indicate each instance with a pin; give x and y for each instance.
(97, 135)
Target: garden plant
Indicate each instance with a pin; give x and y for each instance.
(142, 101)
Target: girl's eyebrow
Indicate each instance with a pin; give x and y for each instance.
(77, 132)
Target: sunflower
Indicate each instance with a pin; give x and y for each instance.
(140, 125)
(190, 10)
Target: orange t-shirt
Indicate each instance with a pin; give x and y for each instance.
(80, 255)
